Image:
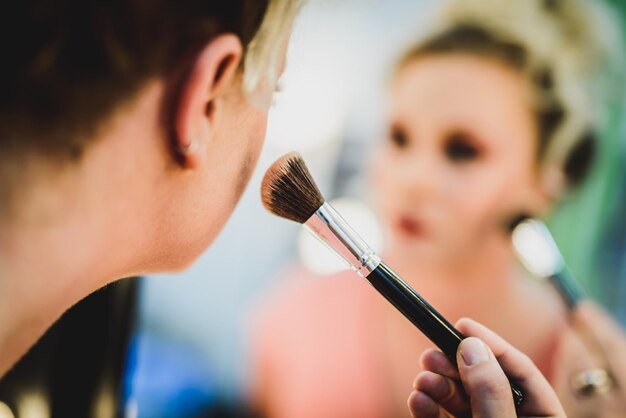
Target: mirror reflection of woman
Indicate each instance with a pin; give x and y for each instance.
(491, 116)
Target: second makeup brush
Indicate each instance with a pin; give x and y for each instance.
(538, 252)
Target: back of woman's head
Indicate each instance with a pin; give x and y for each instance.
(67, 65)
(562, 48)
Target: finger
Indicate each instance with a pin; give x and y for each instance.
(437, 362)
(571, 357)
(608, 334)
(444, 391)
(600, 319)
(422, 406)
(484, 381)
(539, 397)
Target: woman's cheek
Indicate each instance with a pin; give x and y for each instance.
(386, 191)
(469, 201)
(381, 175)
(493, 206)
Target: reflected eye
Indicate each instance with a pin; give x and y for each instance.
(459, 147)
(398, 137)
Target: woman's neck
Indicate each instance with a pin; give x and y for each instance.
(42, 271)
(490, 272)
(80, 226)
(51, 259)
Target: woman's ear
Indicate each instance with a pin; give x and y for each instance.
(552, 186)
(539, 200)
(213, 71)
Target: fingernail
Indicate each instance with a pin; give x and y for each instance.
(473, 351)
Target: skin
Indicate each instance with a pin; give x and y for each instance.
(594, 340)
(459, 160)
(479, 386)
(598, 341)
(133, 204)
(460, 157)
(459, 236)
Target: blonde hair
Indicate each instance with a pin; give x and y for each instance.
(263, 56)
(61, 86)
(577, 42)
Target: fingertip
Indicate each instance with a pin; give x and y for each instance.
(483, 378)
(421, 405)
(426, 356)
(471, 328)
(422, 377)
(464, 320)
(465, 324)
(473, 351)
(437, 387)
(437, 362)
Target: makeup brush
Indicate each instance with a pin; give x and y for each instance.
(289, 191)
(537, 251)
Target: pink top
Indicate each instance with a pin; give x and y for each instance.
(316, 354)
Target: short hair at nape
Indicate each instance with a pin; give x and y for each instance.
(68, 64)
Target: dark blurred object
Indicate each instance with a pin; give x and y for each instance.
(612, 255)
(620, 7)
(168, 378)
(612, 262)
(76, 369)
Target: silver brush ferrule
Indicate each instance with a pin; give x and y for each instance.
(332, 230)
(536, 249)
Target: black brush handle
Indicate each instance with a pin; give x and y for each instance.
(422, 315)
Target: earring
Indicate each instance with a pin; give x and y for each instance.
(189, 148)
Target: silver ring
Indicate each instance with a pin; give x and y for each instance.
(592, 382)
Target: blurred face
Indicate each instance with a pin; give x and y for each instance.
(459, 157)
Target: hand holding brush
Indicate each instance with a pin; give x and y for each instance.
(289, 191)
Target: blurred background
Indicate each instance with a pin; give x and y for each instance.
(188, 347)
(192, 328)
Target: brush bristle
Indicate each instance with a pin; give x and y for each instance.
(289, 191)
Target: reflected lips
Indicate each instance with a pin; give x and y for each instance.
(409, 226)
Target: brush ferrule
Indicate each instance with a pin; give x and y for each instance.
(536, 249)
(332, 230)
